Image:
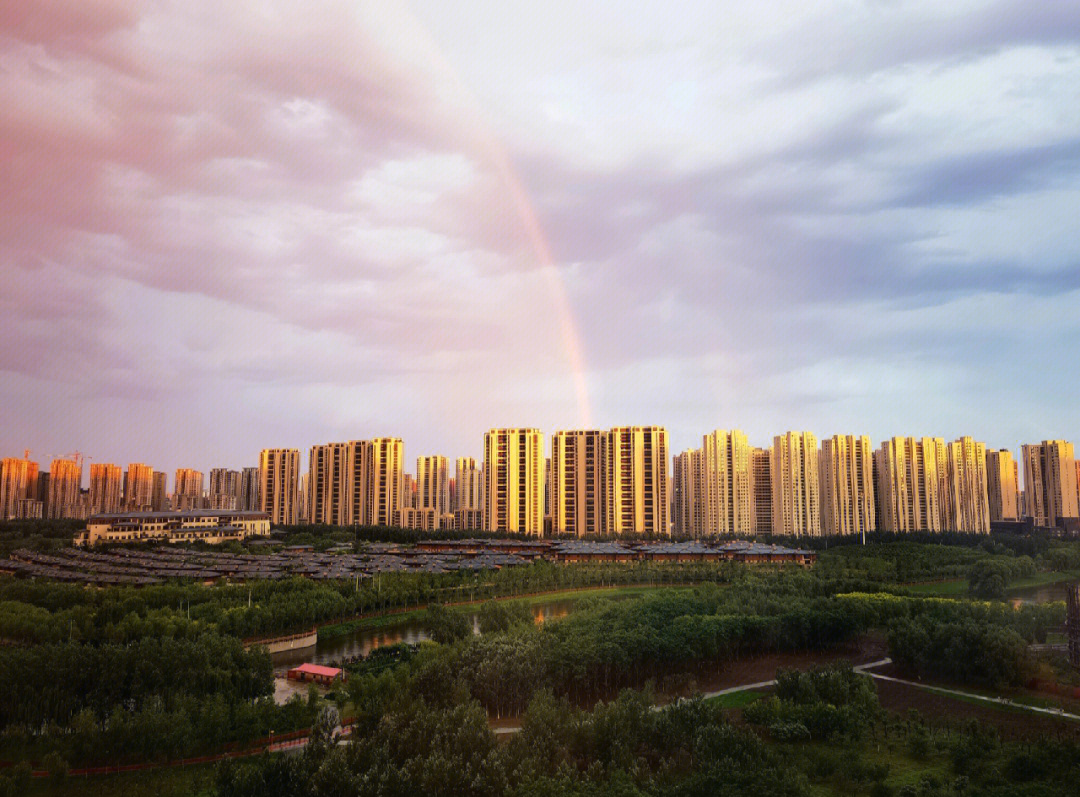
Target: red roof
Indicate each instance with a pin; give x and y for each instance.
(317, 669)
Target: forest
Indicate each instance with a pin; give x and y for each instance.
(123, 675)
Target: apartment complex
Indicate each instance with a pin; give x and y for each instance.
(279, 477)
(1003, 489)
(188, 489)
(65, 482)
(18, 487)
(468, 484)
(847, 485)
(909, 483)
(638, 496)
(728, 497)
(579, 482)
(761, 489)
(139, 487)
(687, 488)
(433, 484)
(513, 481)
(1050, 482)
(796, 489)
(224, 492)
(106, 487)
(965, 498)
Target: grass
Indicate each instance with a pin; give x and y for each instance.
(736, 699)
(384, 620)
(1042, 580)
(958, 587)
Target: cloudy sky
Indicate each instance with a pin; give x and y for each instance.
(232, 225)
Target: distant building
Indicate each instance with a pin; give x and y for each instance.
(139, 487)
(204, 525)
(386, 482)
(159, 492)
(279, 476)
(188, 490)
(639, 496)
(65, 477)
(329, 484)
(18, 482)
(909, 483)
(578, 482)
(1001, 485)
(106, 488)
(687, 494)
(513, 481)
(965, 498)
(847, 485)
(761, 489)
(1050, 483)
(224, 491)
(249, 490)
(468, 484)
(727, 499)
(469, 520)
(795, 485)
(433, 484)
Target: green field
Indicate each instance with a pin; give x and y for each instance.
(736, 699)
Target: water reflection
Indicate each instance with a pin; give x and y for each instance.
(411, 632)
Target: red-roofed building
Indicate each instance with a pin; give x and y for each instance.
(316, 673)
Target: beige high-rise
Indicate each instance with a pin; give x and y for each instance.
(279, 477)
(513, 481)
(469, 481)
(159, 493)
(761, 488)
(638, 500)
(386, 482)
(433, 484)
(579, 482)
(224, 489)
(139, 488)
(965, 498)
(796, 486)
(105, 488)
(65, 481)
(328, 485)
(249, 490)
(1050, 484)
(1001, 485)
(15, 485)
(187, 489)
(728, 499)
(847, 485)
(688, 494)
(910, 482)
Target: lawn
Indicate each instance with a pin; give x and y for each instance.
(739, 699)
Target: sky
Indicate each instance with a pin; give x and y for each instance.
(230, 226)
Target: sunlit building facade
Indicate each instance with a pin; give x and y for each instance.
(638, 499)
(796, 505)
(65, 477)
(728, 500)
(224, 489)
(469, 484)
(847, 485)
(433, 484)
(139, 488)
(513, 481)
(578, 475)
(15, 486)
(761, 488)
(965, 497)
(1050, 484)
(106, 487)
(1002, 492)
(910, 483)
(279, 481)
(188, 490)
(687, 494)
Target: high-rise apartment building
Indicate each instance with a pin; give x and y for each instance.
(279, 477)
(728, 499)
(407, 499)
(578, 482)
(468, 484)
(433, 484)
(188, 490)
(106, 487)
(249, 490)
(1050, 484)
(224, 489)
(909, 483)
(65, 482)
(385, 487)
(159, 492)
(639, 497)
(1001, 485)
(15, 486)
(513, 481)
(139, 488)
(688, 494)
(329, 484)
(761, 489)
(965, 498)
(795, 485)
(847, 485)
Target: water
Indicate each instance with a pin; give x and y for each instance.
(362, 641)
(1048, 593)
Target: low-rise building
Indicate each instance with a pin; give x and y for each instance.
(198, 525)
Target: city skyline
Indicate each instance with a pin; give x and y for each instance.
(430, 220)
